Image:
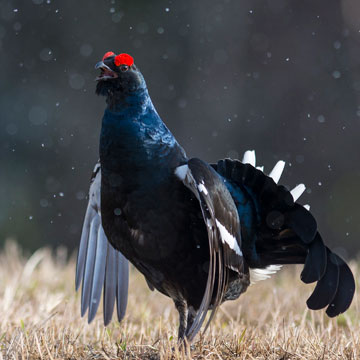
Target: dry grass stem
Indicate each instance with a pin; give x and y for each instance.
(40, 319)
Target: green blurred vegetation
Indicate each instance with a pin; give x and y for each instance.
(226, 76)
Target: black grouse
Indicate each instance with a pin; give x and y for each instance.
(200, 233)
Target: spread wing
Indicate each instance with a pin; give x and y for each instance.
(99, 266)
(222, 222)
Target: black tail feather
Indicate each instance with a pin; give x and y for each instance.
(345, 291)
(316, 261)
(327, 286)
(280, 250)
(302, 222)
(286, 233)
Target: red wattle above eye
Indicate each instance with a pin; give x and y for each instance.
(123, 59)
(109, 53)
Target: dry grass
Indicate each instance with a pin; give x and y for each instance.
(39, 312)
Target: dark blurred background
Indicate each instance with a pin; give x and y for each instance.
(278, 76)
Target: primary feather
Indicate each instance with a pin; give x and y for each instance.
(100, 267)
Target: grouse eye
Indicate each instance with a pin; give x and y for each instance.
(124, 68)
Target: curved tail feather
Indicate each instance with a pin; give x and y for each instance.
(345, 291)
(327, 286)
(315, 262)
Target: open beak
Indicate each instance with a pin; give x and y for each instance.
(106, 73)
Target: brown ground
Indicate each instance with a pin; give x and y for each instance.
(40, 319)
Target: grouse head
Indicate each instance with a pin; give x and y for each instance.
(118, 76)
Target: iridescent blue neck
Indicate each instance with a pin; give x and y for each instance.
(137, 102)
(133, 136)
